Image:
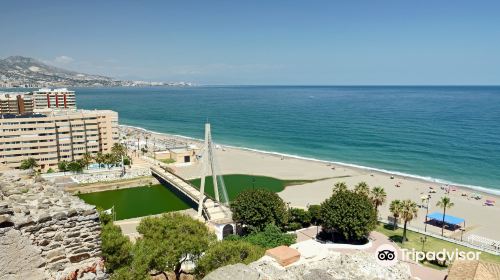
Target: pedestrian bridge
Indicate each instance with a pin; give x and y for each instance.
(212, 211)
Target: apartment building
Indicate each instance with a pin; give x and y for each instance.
(16, 103)
(61, 98)
(56, 135)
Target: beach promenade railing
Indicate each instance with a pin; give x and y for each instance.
(448, 239)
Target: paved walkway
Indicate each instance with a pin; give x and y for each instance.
(378, 239)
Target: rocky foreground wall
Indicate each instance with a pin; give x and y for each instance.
(333, 266)
(46, 233)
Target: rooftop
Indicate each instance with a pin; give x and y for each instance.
(48, 90)
(53, 112)
(21, 116)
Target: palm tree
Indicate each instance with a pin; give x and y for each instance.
(395, 209)
(87, 159)
(444, 202)
(110, 159)
(100, 159)
(362, 188)
(409, 211)
(378, 197)
(339, 187)
(119, 150)
(29, 163)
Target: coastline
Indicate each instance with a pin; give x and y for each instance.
(237, 160)
(482, 190)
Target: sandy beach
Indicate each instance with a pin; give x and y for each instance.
(479, 219)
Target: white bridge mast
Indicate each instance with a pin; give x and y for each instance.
(207, 167)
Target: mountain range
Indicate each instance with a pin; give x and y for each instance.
(20, 71)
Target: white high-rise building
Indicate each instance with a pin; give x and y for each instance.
(62, 98)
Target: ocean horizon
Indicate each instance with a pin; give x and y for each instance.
(447, 134)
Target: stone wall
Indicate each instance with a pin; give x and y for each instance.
(333, 266)
(46, 233)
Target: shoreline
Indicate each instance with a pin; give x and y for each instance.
(424, 179)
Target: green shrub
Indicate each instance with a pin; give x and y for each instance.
(227, 252)
(116, 248)
(350, 214)
(315, 214)
(300, 217)
(270, 237)
(257, 208)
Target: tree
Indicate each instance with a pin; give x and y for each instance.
(100, 158)
(126, 161)
(395, 208)
(315, 213)
(29, 163)
(378, 196)
(362, 188)
(226, 253)
(111, 159)
(257, 208)
(339, 187)
(116, 248)
(298, 218)
(170, 240)
(119, 150)
(87, 159)
(62, 166)
(75, 166)
(445, 203)
(350, 214)
(408, 212)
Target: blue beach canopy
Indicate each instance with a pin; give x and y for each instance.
(452, 220)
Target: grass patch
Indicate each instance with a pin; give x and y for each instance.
(432, 244)
(167, 160)
(236, 183)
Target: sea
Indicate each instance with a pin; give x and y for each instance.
(448, 134)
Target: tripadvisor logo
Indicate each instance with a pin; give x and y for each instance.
(441, 255)
(387, 255)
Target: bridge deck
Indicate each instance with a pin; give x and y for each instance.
(213, 210)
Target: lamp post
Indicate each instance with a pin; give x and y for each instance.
(462, 234)
(427, 212)
(423, 239)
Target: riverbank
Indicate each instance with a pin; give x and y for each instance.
(233, 160)
(111, 185)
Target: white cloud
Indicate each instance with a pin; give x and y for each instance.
(63, 59)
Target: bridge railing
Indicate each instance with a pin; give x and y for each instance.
(164, 174)
(160, 170)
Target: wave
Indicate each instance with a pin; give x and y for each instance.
(385, 171)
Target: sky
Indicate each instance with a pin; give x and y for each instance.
(398, 42)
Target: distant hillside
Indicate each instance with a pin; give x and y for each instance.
(20, 70)
(23, 71)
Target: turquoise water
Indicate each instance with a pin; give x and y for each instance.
(440, 133)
